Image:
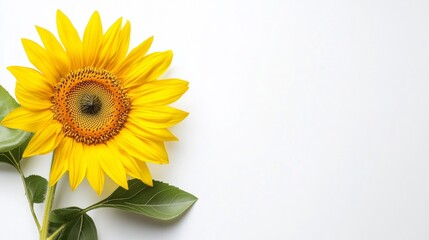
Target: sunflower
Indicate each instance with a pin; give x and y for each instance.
(101, 109)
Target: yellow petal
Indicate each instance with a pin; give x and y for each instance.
(39, 58)
(78, 163)
(148, 69)
(110, 161)
(35, 101)
(92, 40)
(31, 79)
(157, 116)
(122, 45)
(135, 168)
(141, 149)
(55, 52)
(95, 174)
(161, 92)
(45, 140)
(146, 177)
(136, 55)
(21, 118)
(109, 45)
(138, 169)
(157, 134)
(33, 90)
(70, 39)
(61, 160)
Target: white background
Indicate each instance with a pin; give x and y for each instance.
(309, 119)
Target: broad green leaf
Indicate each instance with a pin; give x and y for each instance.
(9, 138)
(162, 201)
(64, 215)
(15, 155)
(78, 225)
(36, 187)
(83, 228)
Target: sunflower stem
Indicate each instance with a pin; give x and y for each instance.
(21, 173)
(49, 200)
(53, 235)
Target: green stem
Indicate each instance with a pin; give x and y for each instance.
(94, 206)
(49, 200)
(21, 173)
(53, 235)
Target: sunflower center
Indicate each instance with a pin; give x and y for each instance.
(91, 104)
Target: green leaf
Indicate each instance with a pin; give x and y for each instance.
(15, 155)
(9, 138)
(162, 201)
(64, 215)
(83, 228)
(36, 187)
(78, 225)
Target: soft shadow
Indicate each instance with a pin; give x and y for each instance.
(62, 184)
(4, 167)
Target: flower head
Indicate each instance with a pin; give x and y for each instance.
(102, 109)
